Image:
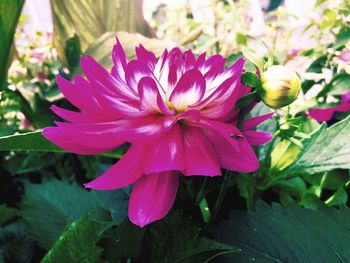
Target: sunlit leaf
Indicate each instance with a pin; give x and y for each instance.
(325, 150)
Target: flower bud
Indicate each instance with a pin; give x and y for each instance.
(280, 86)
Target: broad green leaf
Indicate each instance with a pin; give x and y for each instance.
(287, 234)
(7, 213)
(90, 19)
(15, 244)
(325, 150)
(10, 11)
(77, 243)
(175, 240)
(101, 49)
(31, 141)
(49, 207)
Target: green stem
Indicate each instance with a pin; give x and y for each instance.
(201, 190)
(267, 160)
(221, 196)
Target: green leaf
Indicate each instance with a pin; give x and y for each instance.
(10, 11)
(287, 234)
(77, 243)
(7, 213)
(339, 85)
(174, 240)
(246, 100)
(325, 150)
(89, 20)
(342, 38)
(15, 244)
(72, 52)
(123, 241)
(116, 202)
(31, 141)
(250, 79)
(340, 197)
(49, 207)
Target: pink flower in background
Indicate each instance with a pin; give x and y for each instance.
(321, 115)
(178, 114)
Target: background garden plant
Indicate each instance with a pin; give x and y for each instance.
(294, 208)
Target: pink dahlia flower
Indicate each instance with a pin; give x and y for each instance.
(321, 115)
(178, 114)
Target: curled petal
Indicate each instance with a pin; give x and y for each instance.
(152, 197)
(126, 171)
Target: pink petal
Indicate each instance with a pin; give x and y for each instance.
(321, 115)
(119, 60)
(213, 66)
(146, 56)
(190, 60)
(220, 106)
(201, 60)
(79, 95)
(251, 123)
(201, 158)
(150, 98)
(126, 171)
(166, 154)
(131, 130)
(152, 197)
(55, 135)
(189, 90)
(234, 151)
(97, 75)
(257, 137)
(73, 116)
(136, 70)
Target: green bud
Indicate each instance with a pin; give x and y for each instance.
(280, 86)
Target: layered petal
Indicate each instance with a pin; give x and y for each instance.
(125, 172)
(152, 197)
(189, 90)
(150, 97)
(166, 153)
